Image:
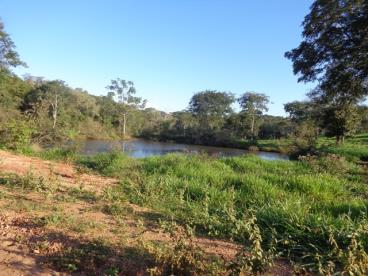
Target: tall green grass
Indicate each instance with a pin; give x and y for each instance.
(302, 207)
(355, 148)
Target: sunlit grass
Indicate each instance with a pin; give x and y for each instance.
(291, 200)
(355, 147)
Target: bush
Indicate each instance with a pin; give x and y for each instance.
(28, 182)
(253, 259)
(330, 163)
(253, 148)
(182, 256)
(112, 164)
(65, 154)
(15, 134)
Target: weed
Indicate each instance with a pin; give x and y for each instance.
(29, 182)
(330, 163)
(182, 256)
(64, 154)
(112, 164)
(253, 259)
(117, 209)
(84, 256)
(83, 194)
(253, 148)
(112, 271)
(52, 219)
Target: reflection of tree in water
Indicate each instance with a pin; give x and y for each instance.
(114, 146)
(139, 149)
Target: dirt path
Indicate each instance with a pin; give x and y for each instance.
(19, 235)
(64, 174)
(17, 258)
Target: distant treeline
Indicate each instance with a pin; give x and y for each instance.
(45, 112)
(48, 112)
(35, 110)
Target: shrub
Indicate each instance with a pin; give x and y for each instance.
(16, 134)
(253, 259)
(331, 163)
(112, 164)
(253, 148)
(65, 154)
(28, 182)
(354, 259)
(182, 256)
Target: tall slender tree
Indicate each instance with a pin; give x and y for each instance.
(125, 92)
(253, 105)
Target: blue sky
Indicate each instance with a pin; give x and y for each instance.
(169, 48)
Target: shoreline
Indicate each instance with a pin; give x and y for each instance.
(231, 145)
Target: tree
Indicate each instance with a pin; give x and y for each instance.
(340, 121)
(211, 107)
(10, 85)
(8, 56)
(363, 113)
(337, 116)
(124, 91)
(183, 122)
(274, 127)
(306, 119)
(253, 104)
(84, 104)
(45, 104)
(299, 111)
(334, 52)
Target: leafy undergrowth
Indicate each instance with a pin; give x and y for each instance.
(312, 213)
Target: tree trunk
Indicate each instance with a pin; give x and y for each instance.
(124, 125)
(252, 126)
(54, 111)
(340, 139)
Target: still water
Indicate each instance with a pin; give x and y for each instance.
(142, 148)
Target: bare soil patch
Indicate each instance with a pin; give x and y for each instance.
(41, 234)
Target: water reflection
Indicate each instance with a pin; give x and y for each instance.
(142, 148)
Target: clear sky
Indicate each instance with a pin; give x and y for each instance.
(169, 48)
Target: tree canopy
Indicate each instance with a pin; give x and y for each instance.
(8, 55)
(334, 51)
(211, 103)
(334, 55)
(253, 104)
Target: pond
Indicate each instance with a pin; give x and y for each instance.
(139, 148)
